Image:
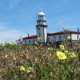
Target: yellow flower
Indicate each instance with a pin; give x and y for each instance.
(62, 47)
(48, 48)
(51, 54)
(68, 37)
(27, 55)
(29, 69)
(36, 43)
(22, 68)
(11, 43)
(6, 56)
(61, 55)
(2, 44)
(14, 58)
(39, 38)
(36, 59)
(36, 48)
(73, 55)
(67, 52)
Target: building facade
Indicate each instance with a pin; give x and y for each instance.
(41, 31)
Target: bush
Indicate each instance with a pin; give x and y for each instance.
(39, 62)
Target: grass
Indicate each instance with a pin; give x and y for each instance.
(39, 62)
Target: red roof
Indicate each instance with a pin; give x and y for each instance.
(63, 32)
(56, 33)
(31, 36)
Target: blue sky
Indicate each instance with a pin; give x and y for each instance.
(18, 17)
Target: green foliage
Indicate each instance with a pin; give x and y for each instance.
(39, 62)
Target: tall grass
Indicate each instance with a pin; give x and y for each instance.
(39, 62)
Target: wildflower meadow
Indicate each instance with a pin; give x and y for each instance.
(40, 61)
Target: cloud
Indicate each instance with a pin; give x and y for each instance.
(14, 3)
(7, 34)
(67, 24)
(3, 26)
(71, 26)
(10, 35)
(61, 22)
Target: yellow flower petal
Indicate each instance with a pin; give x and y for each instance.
(22, 68)
(73, 55)
(61, 55)
(68, 37)
(29, 69)
(62, 47)
(6, 56)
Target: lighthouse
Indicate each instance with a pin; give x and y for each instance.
(41, 27)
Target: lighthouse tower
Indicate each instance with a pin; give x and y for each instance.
(41, 27)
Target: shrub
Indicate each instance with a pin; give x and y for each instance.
(39, 62)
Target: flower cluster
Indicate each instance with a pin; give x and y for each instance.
(39, 62)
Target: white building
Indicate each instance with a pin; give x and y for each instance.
(41, 31)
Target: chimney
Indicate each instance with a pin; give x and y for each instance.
(78, 29)
(78, 34)
(28, 35)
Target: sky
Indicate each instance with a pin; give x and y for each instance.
(18, 17)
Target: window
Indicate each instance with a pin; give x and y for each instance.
(48, 39)
(54, 38)
(63, 36)
(29, 41)
(38, 22)
(33, 40)
(60, 38)
(38, 28)
(25, 41)
(40, 18)
(39, 34)
(77, 37)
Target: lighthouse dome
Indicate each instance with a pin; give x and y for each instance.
(41, 13)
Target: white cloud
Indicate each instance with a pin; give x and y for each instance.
(10, 35)
(71, 26)
(67, 24)
(7, 34)
(14, 3)
(3, 26)
(60, 22)
(64, 21)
